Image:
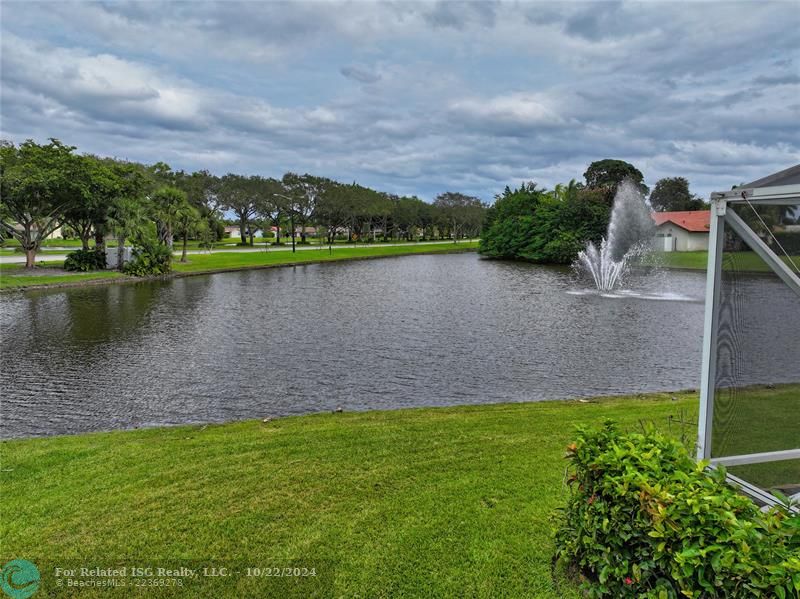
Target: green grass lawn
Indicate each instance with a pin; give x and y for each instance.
(43, 252)
(444, 502)
(14, 276)
(233, 261)
(10, 244)
(698, 260)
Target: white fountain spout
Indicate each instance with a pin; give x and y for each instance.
(629, 233)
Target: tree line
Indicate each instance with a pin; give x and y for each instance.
(47, 186)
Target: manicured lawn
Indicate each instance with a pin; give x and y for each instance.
(44, 252)
(13, 276)
(232, 261)
(76, 243)
(698, 260)
(445, 502)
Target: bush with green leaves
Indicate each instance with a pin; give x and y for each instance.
(644, 519)
(149, 258)
(85, 260)
(539, 226)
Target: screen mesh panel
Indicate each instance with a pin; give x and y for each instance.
(757, 377)
(781, 476)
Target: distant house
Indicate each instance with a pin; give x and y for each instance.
(58, 232)
(232, 231)
(685, 231)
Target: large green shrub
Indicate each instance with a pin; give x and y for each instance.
(149, 258)
(644, 519)
(85, 260)
(537, 226)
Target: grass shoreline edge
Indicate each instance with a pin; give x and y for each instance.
(109, 277)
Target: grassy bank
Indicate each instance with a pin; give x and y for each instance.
(747, 261)
(48, 273)
(14, 276)
(448, 502)
(233, 261)
(10, 245)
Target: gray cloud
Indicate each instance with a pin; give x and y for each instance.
(359, 74)
(257, 88)
(785, 79)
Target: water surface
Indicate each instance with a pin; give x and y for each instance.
(379, 334)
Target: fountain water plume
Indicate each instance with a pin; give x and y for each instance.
(629, 235)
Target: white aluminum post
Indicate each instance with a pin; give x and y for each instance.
(713, 282)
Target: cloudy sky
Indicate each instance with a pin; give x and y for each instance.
(413, 98)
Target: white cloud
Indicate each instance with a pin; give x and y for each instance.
(516, 109)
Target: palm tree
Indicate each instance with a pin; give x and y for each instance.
(126, 216)
(167, 203)
(187, 221)
(562, 192)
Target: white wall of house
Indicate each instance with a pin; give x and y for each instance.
(57, 234)
(684, 241)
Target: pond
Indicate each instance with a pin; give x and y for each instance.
(378, 334)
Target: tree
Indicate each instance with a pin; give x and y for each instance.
(167, 204)
(427, 219)
(187, 222)
(239, 195)
(271, 203)
(408, 214)
(201, 192)
(88, 211)
(305, 191)
(332, 209)
(672, 194)
(460, 212)
(37, 183)
(126, 217)
(608, 174)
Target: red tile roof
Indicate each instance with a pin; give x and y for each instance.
(694, 221)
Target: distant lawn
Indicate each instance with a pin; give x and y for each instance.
(10, 244)
(14, 276)
(232, 261)
(698, 260)
(73, 243)
(15, 251)
(444, 502)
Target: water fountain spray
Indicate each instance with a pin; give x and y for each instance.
(629, 235)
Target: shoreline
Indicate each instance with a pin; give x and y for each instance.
(125, 279)
(267, 418)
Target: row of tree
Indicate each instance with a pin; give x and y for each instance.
(47, 186)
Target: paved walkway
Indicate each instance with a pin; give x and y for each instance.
(20, 258)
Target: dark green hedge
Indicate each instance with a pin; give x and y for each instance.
(645, 520)
(537, 226)
(790, 242)
(85, 260)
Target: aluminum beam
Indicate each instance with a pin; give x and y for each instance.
(757, 458)
(713, 284)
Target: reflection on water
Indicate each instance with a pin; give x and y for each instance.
(411, 331)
